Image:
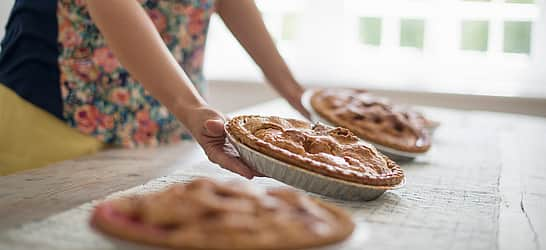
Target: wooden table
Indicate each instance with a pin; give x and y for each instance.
(482, 186)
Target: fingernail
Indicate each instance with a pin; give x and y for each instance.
(249, 176)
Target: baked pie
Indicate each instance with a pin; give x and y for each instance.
(331, 152)
(373, 118)
(205, 214)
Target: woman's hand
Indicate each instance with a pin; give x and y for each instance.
(207, 127)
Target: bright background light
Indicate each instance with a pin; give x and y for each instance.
(492, 47)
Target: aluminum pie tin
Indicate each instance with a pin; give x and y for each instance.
(392, 153)
(308, 180)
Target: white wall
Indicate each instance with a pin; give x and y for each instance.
(5, 7)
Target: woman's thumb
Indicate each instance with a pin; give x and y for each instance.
(214, 127)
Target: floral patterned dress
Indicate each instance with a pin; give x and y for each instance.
(100, 98)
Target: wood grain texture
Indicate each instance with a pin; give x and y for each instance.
(482, 186)
(38, 193)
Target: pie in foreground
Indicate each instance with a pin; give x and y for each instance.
(331, 152)
(205, 214)
(373, 118)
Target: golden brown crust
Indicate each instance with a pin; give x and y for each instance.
(333, 152)
(373, 119)
(208, 215)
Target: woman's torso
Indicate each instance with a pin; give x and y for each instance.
(54, 56)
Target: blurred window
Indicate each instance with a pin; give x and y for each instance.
(474, 35)
(517, 37)
(370, 30)
(492, 47)
(412, 33)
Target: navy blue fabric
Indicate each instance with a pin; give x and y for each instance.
(28, 60)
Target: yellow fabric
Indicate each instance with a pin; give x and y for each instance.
(30, 137)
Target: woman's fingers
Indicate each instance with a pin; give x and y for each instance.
(214, 128)
(207, 127)
(213, 139)
(223, 154)
(218, 156)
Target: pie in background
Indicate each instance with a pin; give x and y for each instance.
(205, 214)
(331, 152)
(374, 119)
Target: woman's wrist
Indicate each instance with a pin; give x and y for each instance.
(185, 110)
(289, 88)
(285, 83)
(295, 91)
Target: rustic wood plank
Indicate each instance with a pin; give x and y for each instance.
(38, 193)
(523, 186)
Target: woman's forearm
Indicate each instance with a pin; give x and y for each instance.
(244, 21)
(135, 42)
(132, 37)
